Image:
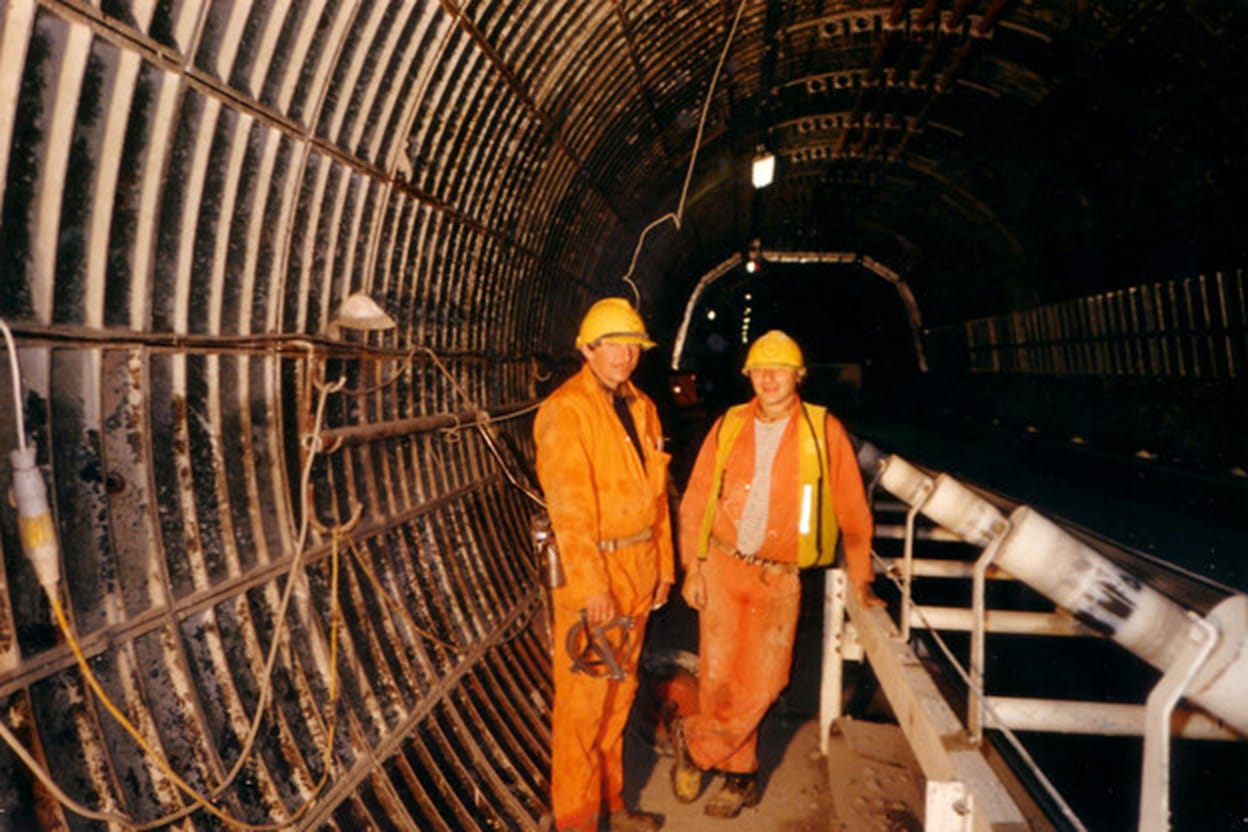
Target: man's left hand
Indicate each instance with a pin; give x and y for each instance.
(660, 595)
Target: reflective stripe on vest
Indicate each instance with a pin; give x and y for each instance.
(816, 546)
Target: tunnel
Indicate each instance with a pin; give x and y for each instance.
(284, 282)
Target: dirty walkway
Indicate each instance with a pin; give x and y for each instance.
(799, 794)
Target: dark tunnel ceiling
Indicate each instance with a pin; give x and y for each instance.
(994, 153)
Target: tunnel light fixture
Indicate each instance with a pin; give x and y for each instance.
(753, 258)
(763, 170)
(362, 313)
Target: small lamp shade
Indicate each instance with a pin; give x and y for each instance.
(360, 312)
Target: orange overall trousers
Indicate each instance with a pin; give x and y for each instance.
(746, 632)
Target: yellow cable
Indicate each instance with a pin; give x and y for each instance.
(199, 800)
(331, 716)
(124, 722)
(163, 764)
(42, 775)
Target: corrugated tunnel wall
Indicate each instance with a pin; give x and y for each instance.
(193, 190)
(254, 504)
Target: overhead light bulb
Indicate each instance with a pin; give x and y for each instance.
(753, 258)
(763, 171)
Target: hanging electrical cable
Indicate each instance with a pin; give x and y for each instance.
(39, 543)
(386, 382)
(15, 376)
(312, 447)
(482, 426)
(678, 215)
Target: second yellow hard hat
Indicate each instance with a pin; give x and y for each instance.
(774, 349)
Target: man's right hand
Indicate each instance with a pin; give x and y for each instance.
(867, 598)
(693, 590)
(600, 609)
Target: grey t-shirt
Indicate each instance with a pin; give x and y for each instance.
(753, 527)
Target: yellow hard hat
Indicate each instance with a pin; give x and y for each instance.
(615, 320)
(774, 349)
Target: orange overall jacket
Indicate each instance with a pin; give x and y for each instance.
(597, 489)
(848, 496)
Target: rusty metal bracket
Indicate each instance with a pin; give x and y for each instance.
(591, 651)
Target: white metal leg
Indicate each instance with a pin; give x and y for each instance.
(833, 672)
(1155, 788)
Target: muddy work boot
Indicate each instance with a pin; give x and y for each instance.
(740, 791)
(686, 776)
(626, 820)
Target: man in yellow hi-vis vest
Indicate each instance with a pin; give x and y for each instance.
(774, 484)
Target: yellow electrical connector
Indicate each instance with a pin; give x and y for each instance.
(34, 520)
(37, 533)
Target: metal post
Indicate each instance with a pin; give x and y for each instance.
(907, 570)
(976, 693)
(1155, 786)
(917, 500)
(835, 585)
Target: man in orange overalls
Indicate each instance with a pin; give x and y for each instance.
(603, 470)
(774, 482)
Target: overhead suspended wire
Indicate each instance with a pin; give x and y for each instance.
(679, 214)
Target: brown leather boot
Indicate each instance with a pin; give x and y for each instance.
(687, 779)
(627, 820)
(740, 791)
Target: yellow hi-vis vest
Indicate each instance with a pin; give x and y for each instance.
(817, 528)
